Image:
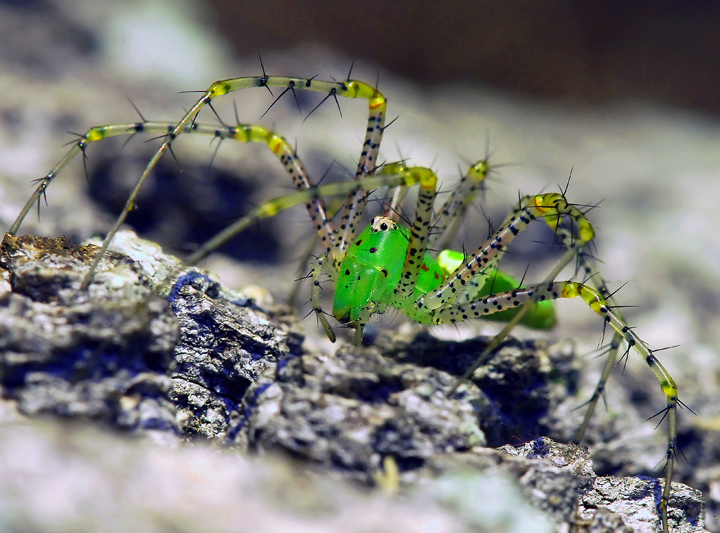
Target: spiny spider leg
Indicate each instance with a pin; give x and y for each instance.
(593, 276)
(453, 210)
(242, 133)
(666, 382)
(347, 89)
(569, 289)
(551, 207)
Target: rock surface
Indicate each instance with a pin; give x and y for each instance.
(208, 364)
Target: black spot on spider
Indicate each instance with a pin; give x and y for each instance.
(357, 242)
(373, 250)
(347, 271)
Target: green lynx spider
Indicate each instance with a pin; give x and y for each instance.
(387, 265)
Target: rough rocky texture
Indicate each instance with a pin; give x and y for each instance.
(119, 352)
(349, 410)
(100, 354)
(235, 376)
(523, 386)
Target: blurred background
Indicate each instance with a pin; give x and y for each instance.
(566, 50)
(625, 96)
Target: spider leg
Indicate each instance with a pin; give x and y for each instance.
(355, 204)
(347, 89)
(593, 276)
(241, 133)
(453, 209)
(545, 206)
(445, 306)
(593, 298)
(419, 234)
(316, 207)
(93, 134)
(321, 265)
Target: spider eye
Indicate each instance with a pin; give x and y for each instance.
(383, 226)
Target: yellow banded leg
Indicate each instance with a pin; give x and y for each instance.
(276, 205)
(566, 235)
(548, 206)
(348, 89)
(569, 289)
(241, 132)
(419, 234)
(450, 215)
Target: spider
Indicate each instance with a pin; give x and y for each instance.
(386, 265)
